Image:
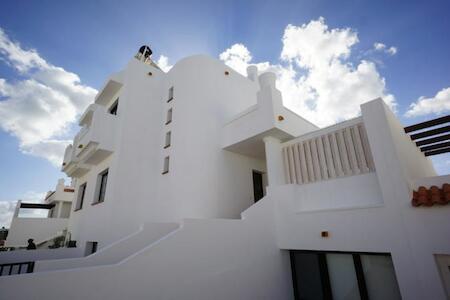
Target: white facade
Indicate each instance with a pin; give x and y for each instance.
(42, 230)
(178, 218)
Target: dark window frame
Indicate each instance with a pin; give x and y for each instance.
(168, 139)
(80, 197)
(170, 97)
(169, 116)
(102, 183)
(324, 276)
(114, 107)
(166, 165)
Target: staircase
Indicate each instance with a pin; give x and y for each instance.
(235, 259)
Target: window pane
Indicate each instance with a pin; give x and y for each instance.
(166, 165)
(104, 179)
(81, 193)
(114, 107)
(380, 277)
(307, 279)
(343, 281)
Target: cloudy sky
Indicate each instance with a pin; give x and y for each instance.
(329, 56)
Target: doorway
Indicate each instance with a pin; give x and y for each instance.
(258, 185)
(91, 248)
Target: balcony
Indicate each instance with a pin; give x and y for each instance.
(336, 151)
(96, 139)
(71, 165)
(93, 143)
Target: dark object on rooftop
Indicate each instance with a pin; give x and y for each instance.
(146, 51)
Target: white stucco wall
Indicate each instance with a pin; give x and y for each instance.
(18, 256)
(231, 258)
(204, 259)
(112, 253)
(39, 229)
(137, 192)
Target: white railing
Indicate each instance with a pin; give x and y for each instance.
(332, 152)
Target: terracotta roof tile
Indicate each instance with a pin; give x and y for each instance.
(433, 195)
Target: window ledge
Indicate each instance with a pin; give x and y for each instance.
(170, 99)
(165, 172)
(77, 209)
(168, 122)
(98, 202)
(166, 146)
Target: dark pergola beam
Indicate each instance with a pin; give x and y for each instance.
(427, 124)
(433, 140)
(37, 205)
(435, 146)
(436, 152)
(431, 132)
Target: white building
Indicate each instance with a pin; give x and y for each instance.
(42, 230)
(169, 167)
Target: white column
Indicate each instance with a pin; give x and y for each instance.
(59, 204)
(274, 161)
(16, 211)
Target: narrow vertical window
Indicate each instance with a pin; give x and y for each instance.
(170, 94)
(101, 183)
(114, 107)
(169, 116)
(166, 165)
(168, 137)
(80, 197)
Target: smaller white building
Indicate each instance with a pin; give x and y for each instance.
(42, 230)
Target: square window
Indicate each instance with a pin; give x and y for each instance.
(166, 165)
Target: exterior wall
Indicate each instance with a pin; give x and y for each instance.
(205, 259)
(113, 253)
(137, 192)
(234, 259)
(90, 223)
(18, 256)
(65, 209)
(412, 235)
(39, 229)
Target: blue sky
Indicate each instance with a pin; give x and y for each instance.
(95, 38)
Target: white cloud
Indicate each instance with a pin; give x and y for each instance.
(379, 46)
(7, 208)
(39, 108)
(383, 48)
(163, 63)
(438, 104)
(392, 50)
(315, 75)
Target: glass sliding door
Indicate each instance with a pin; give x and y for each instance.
(380, 277)
(340, 275)
(343, 281)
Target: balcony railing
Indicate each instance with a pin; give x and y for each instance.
(16, 268)
(337, 151)
(96, 141)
